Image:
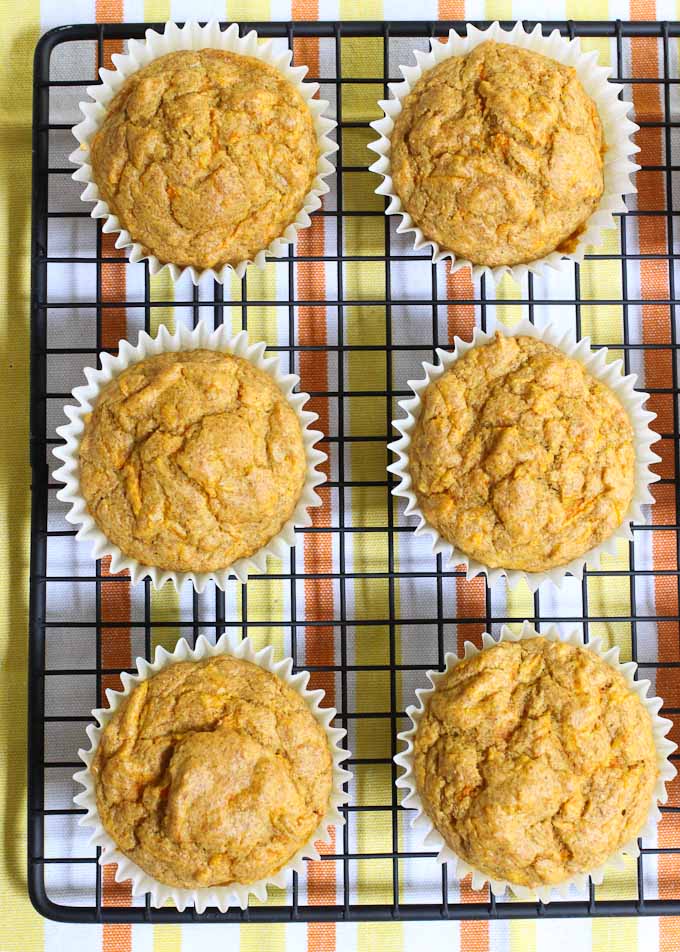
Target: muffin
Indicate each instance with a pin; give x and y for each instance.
(191, 460)
(535, 761)
(211, 773)
(205, 156)
(520, 458)
(497, 155)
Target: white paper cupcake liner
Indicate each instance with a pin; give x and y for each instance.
(223, 897)
(617, 130)
(432, 839)
(192, 36)
(595, 362)
(164, 342)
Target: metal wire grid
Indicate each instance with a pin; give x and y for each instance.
(43, 629)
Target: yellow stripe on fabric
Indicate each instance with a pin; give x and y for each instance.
(355, 146)
(588, 10)
(601, 278)
(164, 608)
(156, 11)
(23, 928)
(265, 595)
(611, 935)
(361, 10)
(263, 321)
(610, 596)
(380, 937)
(361, 58)
(522, 935)
(162, 288)
(372, 833)
(167, 938)
(498, 9)
(248, 10)
(620, 884)
(260, 937)
(508, 290)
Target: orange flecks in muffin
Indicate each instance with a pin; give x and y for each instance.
(192, 460)
(520, 457)
(535, 761)
(205, 157)
(211, 773)
(498, 155)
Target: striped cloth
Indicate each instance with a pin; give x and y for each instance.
(22, 930)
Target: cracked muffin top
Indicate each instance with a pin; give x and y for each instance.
(191, 460)
(205, 156)
(535, 761)
(520, 457)
(211, 773)
(498, 155)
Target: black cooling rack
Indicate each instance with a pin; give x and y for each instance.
(56, 727)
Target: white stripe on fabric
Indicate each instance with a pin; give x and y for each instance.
(81, 938)
(143, 938)
(574, 935)
(205, 938)
(441, 936)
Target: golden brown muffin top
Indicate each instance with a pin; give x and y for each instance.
(205, 157)
(535, 761)
(520, 458)
(211, 773)
(191, 460)
(497, 155)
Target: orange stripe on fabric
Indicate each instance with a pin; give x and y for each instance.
(460, 317)
(657, 330)
(318, 551)
(451, 10)
(115, 937)
(109, 11)
(305, 10)
(470, 596)
(115, 596)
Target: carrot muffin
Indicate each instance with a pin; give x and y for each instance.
(498, 155)
(211, 773)
(520, 458)
(535, 761)
(205, 156)
(191, 460)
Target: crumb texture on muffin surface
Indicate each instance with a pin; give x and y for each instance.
(205, 156)
(520, 457)
(498, 155)
(535, 761)
(212, 773)
(191, 460)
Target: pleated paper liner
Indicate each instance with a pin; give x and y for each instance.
(236, 894)
(192, 36)
(595, 362)
(164, 342)
(432, 839)
(617, 130)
